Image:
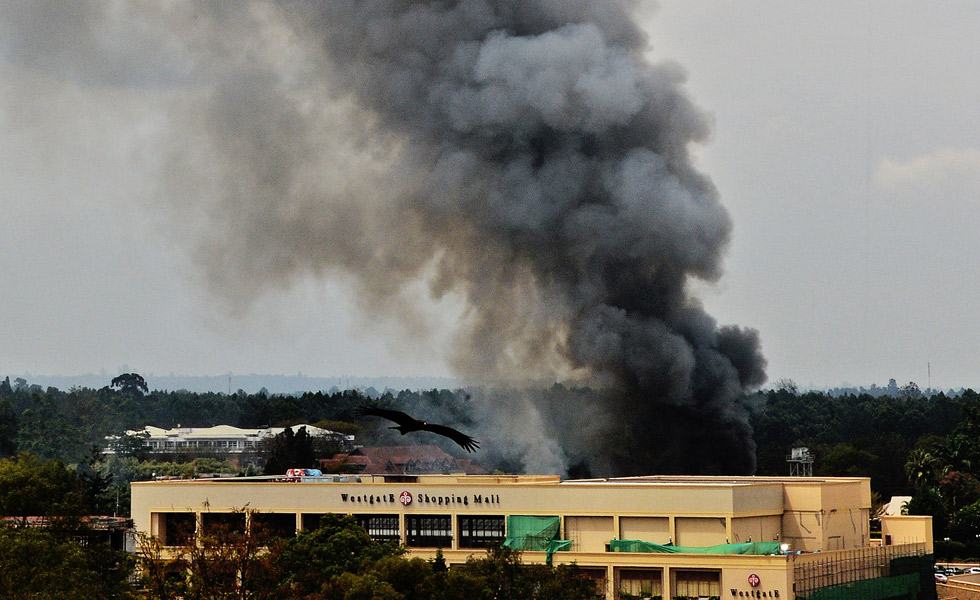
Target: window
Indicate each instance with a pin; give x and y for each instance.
(481, 531)
(223, 523)
(429, 531)
(697, 584)
(640, 583)
(274, 525)
(381, 528)
(311, 521)
(598, 577)
(177, 528)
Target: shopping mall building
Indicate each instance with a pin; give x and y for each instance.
(641, 537)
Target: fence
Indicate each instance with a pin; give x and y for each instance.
(821, 570)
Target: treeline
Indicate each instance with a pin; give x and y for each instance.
(65, 425)
(852, 434)
(926, 447)
(856, 434)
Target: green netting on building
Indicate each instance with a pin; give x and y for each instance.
(758, 548)
(537, 534)
(882, 588)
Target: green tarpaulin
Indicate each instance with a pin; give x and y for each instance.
(746, 548)
(538, 534)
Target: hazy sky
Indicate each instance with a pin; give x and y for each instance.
(846, 146)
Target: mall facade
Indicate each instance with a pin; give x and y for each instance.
(638, 537)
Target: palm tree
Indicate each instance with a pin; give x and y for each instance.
(922, 468)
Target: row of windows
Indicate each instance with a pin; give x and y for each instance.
(648, 583)
(202, 444)
(421, 531)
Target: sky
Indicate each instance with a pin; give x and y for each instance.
(845, 145)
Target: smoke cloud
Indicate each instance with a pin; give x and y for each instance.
(521, 156)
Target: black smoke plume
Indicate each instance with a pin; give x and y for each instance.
(521, 156)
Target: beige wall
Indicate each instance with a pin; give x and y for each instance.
(589, 534)
(693, 531)
(648, 529)
(756, 529)
(907, 529)
(771, 577)
(845, 528)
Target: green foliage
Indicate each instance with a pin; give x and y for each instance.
(46, 560)
(504, 577)
(338, 426)
(288, 450)
(131, 445)
(851, 434)
(31, 487)
(965, 523)
(126, 469)
(922, 468)
(847, 460)
(337, 546)
(353, 586)
(8, 426)
(958, 489)
(38, 563)
(927, 501)
(54, 424)
(48, 433)
(130, 384)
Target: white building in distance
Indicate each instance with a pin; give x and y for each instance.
(220, 440)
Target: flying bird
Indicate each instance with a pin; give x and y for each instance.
(407, 423)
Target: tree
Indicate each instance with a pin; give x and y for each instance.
(965, 523)
(130, 384)
(131, 445)
(505, 577)
(41, 563)
(786, 385)
(910, 391)
(339, 545)
(922, 468)
(8, 428)
(31, 487)
(959, 489)
(215, 563)
(288, 450)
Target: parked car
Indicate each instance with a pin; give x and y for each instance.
(940, 578)
(974, 570)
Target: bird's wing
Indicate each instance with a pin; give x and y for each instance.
(468, 443)
(392, 415)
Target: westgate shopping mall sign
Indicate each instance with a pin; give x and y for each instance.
(406, 498)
